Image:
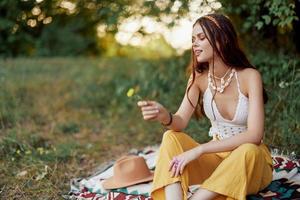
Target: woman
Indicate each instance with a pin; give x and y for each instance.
(230, 92)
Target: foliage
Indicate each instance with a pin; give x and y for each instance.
(281, 76)
(261, 13)
(64, 28)
(48, 28)
(51, 28)
(267, 23)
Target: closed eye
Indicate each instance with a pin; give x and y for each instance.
(201, 36)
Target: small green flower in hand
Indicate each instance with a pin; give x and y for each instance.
(132, 93)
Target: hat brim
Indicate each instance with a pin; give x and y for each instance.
(112, 183)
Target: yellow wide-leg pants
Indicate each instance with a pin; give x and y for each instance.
(233, 174)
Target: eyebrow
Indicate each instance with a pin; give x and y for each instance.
(198, 34)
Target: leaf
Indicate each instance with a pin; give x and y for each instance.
(275, 22)
(267, 19)
(259, 25)
(247, 25)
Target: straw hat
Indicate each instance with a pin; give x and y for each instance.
(128, 170)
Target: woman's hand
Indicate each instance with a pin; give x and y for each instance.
(153, 110)
(179, 162)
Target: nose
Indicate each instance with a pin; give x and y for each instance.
(195, 43)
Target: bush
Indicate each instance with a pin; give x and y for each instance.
(281, 75)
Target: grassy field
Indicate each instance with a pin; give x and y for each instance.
(62, 117)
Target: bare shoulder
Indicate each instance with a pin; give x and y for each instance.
(200, 80)
(249, 76)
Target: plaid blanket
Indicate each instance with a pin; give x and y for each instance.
(285, 184)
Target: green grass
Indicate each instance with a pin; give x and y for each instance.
(61, 117)
(70, 115)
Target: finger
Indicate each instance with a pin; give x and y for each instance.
(171, 165)
(142, 103)
(150, 112)
(148, 117)
(182, 168)
(146, 108)
(179, 167)
(173, 161)
(151, 102)
(177, 170)
(173, 170)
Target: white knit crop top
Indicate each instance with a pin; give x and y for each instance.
(221, 127)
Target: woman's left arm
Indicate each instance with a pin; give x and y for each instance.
(255, 123)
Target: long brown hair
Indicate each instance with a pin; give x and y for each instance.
(219, 29)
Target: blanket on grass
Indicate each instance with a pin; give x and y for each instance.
(285, 184)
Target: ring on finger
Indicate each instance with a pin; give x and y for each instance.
(176, 163)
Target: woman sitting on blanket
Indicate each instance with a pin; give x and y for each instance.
(229, 91)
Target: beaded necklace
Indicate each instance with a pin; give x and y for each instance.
(224, 84)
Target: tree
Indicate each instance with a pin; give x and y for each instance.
(68, 27)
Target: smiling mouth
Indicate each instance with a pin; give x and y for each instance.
(198, 52)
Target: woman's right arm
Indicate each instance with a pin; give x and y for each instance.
(182, 117)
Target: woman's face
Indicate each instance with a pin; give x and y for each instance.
(200, 44)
